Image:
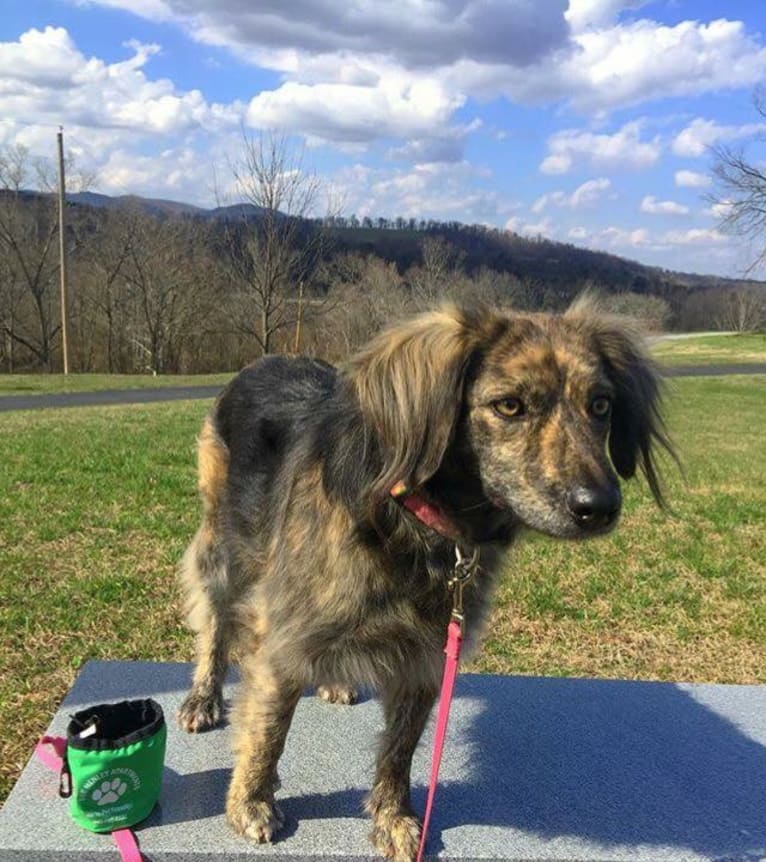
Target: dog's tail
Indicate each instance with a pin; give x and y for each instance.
(213, 470)
(203, 568)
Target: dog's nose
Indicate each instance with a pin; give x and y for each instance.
(594, 507)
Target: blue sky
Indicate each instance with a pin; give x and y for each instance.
(587, 121)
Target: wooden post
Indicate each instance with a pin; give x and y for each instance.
(299, 318)
(62, 251)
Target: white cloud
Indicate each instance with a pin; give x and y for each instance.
(613, 239)
(587, 193)
(434, 190)
(556, 163)
(626, 64)
(47, 80)
(631, 239)
(638, 62)
(693, 250)
(113, 114)
(558, 198)
(694, 140)
(616, 236)
(619, 151)
(719, 210)
(395, 108)
(651, 205)
(691, 180)
(530, 52)
(524, 228)
(694, 236)
(176, 173)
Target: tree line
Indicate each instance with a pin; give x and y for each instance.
(168, 294)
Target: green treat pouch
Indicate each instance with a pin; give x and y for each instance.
(115, 754)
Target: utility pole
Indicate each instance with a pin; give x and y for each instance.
(62, 251)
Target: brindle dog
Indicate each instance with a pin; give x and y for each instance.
(310, 572)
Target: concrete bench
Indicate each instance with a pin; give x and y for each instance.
(535, 769)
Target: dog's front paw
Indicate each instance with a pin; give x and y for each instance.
(396, 836)
(337, 693)
(200, 711)
(259, 820)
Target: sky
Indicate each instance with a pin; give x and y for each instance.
(585, 121)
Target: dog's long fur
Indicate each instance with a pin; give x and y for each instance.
(310, 572)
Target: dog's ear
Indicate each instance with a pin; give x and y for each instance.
(637, 427)
(409, 384)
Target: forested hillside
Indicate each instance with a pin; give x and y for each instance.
(161, 286)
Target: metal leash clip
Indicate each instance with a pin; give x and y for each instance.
(465, 568)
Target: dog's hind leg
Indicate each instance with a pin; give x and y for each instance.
(205, 577)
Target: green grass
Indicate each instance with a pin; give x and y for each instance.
(712, 349)
(97, 504)
(95, 508)
(37, 384)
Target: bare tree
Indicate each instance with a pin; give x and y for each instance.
(28, 229)
(28, 233)
(366, 292)
(104, 279)
(743, 310)
(274, 250)
(438, 274)
(166, 276)
(491, 287)
(11, 309)
(740, 196)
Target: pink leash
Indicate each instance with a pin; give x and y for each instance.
(123, 838)
(465, 569)
(452, 649)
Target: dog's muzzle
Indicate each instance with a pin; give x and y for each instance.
(594, 507)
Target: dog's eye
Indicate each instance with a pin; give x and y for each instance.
(509, 408)
(600, 406)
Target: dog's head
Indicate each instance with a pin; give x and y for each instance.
(543, 411)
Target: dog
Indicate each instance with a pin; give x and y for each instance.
(334, 500)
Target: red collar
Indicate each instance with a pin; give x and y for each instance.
(427, 513)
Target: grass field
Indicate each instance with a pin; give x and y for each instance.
(97, 504)
(712, 349)
(34, 384)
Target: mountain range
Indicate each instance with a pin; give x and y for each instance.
(525, 257)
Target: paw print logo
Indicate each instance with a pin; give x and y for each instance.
(109, 791)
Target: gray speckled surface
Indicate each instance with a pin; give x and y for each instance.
(535, 769)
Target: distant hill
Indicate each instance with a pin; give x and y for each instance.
(559, 266)
(554, 264)
(161, 207)
(154, 206)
